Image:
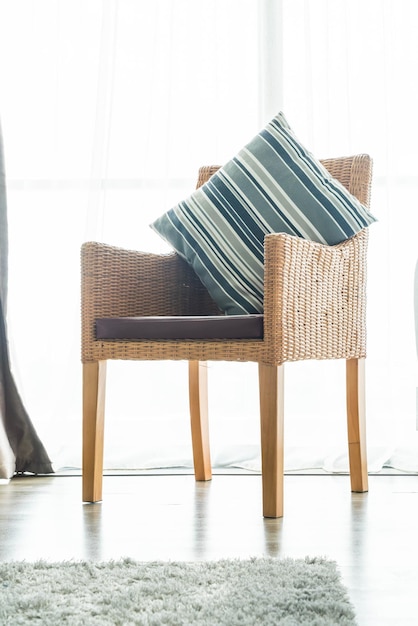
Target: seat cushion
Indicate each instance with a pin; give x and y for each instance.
(179, 327)
(273, 185)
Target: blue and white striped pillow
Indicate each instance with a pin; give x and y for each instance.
(273, 185)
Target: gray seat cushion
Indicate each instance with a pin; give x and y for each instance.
(180, 327)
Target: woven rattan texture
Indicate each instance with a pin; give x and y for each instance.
(314, 300)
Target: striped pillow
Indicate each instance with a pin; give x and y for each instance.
(273, 185)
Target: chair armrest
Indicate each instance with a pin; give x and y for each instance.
(315, 298)
(116, 282)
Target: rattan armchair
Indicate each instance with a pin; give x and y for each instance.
(314, 308)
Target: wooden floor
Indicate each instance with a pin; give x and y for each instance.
(373, 537)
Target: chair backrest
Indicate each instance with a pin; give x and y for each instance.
(354, 172)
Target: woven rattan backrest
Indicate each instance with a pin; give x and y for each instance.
(353, 172)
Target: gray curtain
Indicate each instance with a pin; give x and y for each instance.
(20, 447)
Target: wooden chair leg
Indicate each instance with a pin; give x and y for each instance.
(94, 384)
(356, 423)
(198, 399)
(271, 384)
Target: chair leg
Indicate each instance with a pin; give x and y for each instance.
(356, 423)
(94, 384)
(271, 384)
(198, 399)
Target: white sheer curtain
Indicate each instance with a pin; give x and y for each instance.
(348, 85)
(108, 108)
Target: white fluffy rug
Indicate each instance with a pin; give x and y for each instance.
(125, 593)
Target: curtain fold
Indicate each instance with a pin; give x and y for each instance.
(416, 310)
(20, 447)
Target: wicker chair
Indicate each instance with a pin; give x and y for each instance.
(314, 308)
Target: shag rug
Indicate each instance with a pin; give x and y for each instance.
(125, 593)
